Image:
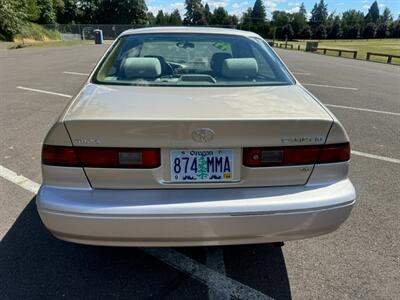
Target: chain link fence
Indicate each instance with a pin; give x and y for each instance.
(85, 31)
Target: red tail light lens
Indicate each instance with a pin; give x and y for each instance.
(297, 155)
(59, 156)
(134, 158)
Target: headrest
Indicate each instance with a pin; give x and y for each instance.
(142, 67)
(217, 59)
(239, 68)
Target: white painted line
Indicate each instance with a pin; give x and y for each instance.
(204, 274)
(43, 91)
(215, 261)
(19, 180)
(220, 283)
(301, 73)
(384, 158)
(331, 86)
(364, 109)
(76, 73)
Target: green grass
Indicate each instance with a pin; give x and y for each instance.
(362, 46)
(35, 32)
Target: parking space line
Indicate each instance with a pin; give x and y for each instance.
(215, 261)
(364, 109)
(331, 86)
(43, 91)
(76, 73)
(219, 282)
(384, 158)
(202, 273)
(19, 180)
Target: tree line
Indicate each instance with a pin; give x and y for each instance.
(319, 24)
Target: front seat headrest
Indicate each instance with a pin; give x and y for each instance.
(239, 68)
(216, 61)
(142, 67)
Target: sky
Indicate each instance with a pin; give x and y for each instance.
(239, 6)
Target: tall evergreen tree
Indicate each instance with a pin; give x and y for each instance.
(175, 18)
(258, 13)
(302, 10)
(220, 17)
(373, 13)
(319, 14)
(194, 12)
(207, 14)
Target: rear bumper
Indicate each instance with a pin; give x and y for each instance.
(194, 217)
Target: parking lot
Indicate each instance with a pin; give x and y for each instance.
(360, 260)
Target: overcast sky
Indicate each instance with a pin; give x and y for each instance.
(238, 6)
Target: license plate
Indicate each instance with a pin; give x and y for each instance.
(201, 165)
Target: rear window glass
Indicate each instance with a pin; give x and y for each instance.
(175, 59)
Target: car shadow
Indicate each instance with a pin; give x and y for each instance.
(34, 264)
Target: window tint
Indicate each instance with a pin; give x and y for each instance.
(191, 59)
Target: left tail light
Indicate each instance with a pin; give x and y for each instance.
(96, 157)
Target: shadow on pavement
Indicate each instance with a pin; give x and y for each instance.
(34, 264)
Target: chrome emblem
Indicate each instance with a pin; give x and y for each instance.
(203, 135)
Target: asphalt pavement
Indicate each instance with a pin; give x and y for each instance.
(360, 260)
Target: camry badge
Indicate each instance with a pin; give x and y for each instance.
(203, 135)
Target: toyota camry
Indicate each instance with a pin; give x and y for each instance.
(193, 136)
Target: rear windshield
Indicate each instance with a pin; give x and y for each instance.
(174, 59)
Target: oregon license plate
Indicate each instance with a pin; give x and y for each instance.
(201, 165)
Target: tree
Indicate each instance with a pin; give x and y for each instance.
(395, 29)
(321, 32)
(258, 13)
(373, 13)
(175, 18)
(69, 13)
(319, 14)
(287, 31)
(89, 11)
(47, 13)
(32, 10)
(161, 19)
(306, 33)
(246, 18)
(151, 20)
(369, 31)
(335, 30)
(220, 17)
(298, 21)
(352, 20)
(353, 32)
(207, 14)
(303, 11)
(280, 19)
(386, 17)
(194, 12)
(382, 31)
(12, 18)
(122, 12)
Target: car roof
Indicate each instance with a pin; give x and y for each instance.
(191, 29)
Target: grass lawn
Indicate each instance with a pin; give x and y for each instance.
(385, 46)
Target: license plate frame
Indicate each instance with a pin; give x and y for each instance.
(217, 166)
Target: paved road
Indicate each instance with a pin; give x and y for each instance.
(360, 260)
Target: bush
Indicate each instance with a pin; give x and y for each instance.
(11, 18)
(36, 32)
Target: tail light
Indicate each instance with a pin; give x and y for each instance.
(297, 155)
(140, 158)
